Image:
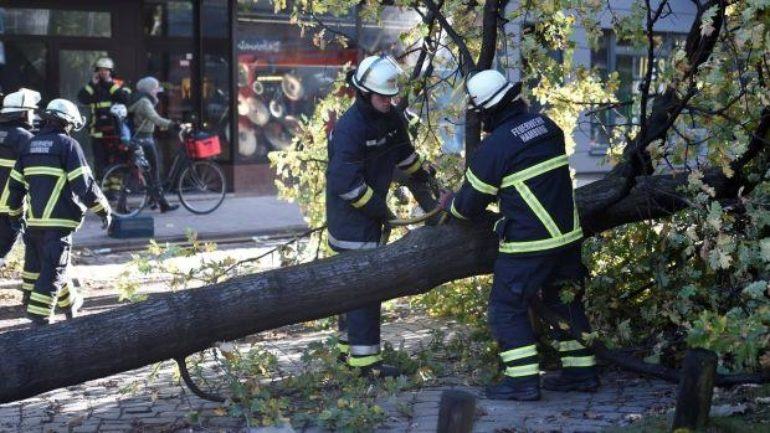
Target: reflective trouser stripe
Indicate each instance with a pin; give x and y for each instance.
(364, 361)
(351, 245)
(7, 162)
(43, 299)
(343, 347)
(361, 202)
(28, 286)
(518, 353)
(67, 296)
(40, 311)
(30, 275)
(578, 361)
(568, 346)
(523, 370)
(360, 350)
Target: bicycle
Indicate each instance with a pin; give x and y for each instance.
(199, 183)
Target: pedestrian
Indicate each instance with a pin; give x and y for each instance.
(146, 118)
(369, 141)
(16, 118)
(99, 95)
(523, 165)
(51, 171)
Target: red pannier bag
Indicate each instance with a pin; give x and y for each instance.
(203, 145)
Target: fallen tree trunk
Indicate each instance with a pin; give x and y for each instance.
(35, 361)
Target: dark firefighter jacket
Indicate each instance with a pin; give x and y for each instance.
(54, 174)
(523, 164)
(99, 98)
(364, 149)
(14, 136)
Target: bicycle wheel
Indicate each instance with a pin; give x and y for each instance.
(201, 187)
(125, 188)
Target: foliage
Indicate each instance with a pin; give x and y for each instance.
(697, 279)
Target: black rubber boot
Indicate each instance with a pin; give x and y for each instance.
(38, 321)
(520, 389)
(167, 207)
(571, 381)
(380, 370)
(74, 310)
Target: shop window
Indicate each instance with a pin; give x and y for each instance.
(631, 64)
(280, 76)
(54, 22)
(168, 18)
(22, 64)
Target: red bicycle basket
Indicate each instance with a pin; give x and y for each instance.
(203, 146)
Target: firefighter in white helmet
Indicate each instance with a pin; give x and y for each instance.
(52, 172)
(368, 142)
(99, 95)
(522, 165)
(16, 118)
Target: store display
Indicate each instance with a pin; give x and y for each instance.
(277, 109)
(292, 87)
(243, 75)
(278, 137)
(258, 113)
(247, 141)
(257, 87)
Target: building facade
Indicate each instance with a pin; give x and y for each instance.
(238, 69)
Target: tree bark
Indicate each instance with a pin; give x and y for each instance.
(177, 324)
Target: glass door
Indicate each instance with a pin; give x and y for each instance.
(75, 70)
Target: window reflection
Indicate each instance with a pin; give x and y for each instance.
(55, 22)
(168, 18)
(22, 64)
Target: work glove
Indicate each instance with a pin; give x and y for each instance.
(445, 202)
(106, 221)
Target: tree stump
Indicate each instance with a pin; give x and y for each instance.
(696, 388)
(456, 412)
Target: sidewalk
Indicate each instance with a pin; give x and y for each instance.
(239, 216)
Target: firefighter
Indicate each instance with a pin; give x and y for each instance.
(523, 165)
(368, 143)
(16, 119)
(52, 172)
(99, 95)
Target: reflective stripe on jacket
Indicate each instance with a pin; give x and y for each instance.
(53, 172)
(14, 137)
(523, 165)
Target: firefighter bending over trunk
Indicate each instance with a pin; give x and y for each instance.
(369, 141)
(54, 174)
(15, 125)
(522, 163)
(99, 95)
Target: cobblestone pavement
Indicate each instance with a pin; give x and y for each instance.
(152, 400)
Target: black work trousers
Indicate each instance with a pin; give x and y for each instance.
(46, 262)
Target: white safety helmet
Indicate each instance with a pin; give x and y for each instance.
(119, 111)
(486, 88)
(104, 62)
(66, 111)
(378, 74)
(20, 100)
(148, 85)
